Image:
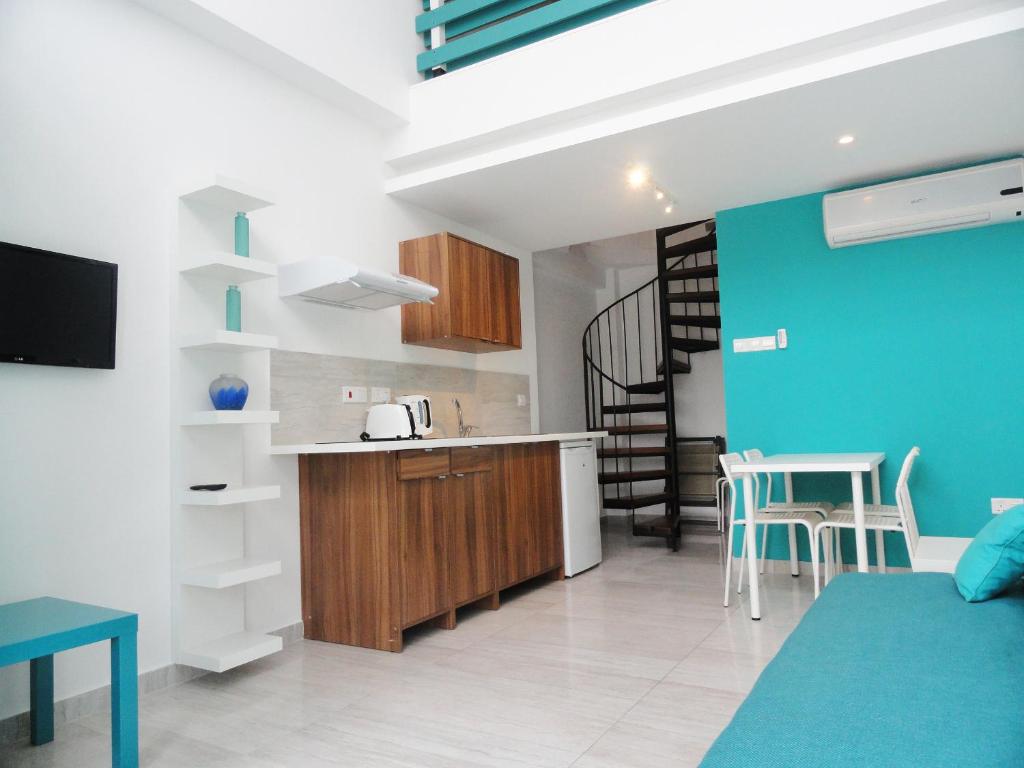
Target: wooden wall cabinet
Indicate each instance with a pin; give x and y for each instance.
(477, 309)
(390, 540)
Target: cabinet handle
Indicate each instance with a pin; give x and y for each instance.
(460, 474)
(442, 477)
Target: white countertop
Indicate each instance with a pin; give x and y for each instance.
(441, 442)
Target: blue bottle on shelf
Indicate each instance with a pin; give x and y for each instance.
(241, 234)
(233, 305)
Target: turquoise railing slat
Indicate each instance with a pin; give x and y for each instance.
(486, 16)
(504, 35)
(450, 11)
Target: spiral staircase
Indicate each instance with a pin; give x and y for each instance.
(632, 352)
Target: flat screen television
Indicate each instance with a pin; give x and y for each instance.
(56, 309)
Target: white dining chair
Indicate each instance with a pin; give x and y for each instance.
(805, 518)
(927, 553)
(721, 489)
(821, 508)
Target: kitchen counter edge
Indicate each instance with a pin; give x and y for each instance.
(442, 442)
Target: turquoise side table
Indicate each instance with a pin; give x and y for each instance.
(34, 630)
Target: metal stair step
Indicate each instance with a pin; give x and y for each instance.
(697, 321)
(638, 429)
(635, 408)
(698, 245)
(689, 273)
(637, 502)
(647, 388)
(621, 453)
(608, 478)
(677, 367)
(694, 345)
(691, 297)
(663, 525)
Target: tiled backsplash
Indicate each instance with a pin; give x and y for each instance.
(306, 389)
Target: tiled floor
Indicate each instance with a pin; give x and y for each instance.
(635, 663)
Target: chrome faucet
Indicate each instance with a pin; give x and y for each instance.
(464, 429)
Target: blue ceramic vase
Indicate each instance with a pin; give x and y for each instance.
(229, 392)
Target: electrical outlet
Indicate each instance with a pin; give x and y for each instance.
(353, 394)
(1001, 505)
(380, 395)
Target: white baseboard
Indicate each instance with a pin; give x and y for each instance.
(15, 728)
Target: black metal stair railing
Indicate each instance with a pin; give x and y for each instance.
(627, 379)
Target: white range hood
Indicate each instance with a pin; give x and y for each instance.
(344, 284)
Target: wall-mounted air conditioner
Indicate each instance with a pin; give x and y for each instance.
(344, 284)
(940, 202)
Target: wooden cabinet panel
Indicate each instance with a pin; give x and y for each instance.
(423, 535)
(479, 458)
(348, 533)
(507, 320)
(477, 308)
(470, 280)
(426, 259)
(472, 536)
(425, 463)
(528, 491)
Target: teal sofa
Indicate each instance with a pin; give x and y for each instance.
(888, 671)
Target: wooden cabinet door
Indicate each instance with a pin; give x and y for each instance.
(530, 517)
(470, 279)
(423, 547)
(472, 536)
(426, 259)
(505, 314)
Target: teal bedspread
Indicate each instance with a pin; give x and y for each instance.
(888, 670)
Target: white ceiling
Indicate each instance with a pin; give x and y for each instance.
(959, 105)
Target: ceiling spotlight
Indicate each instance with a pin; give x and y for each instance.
(668, 208)
(845, 139)
(638, 176)
(659, 195)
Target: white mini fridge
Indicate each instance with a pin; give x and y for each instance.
(581, 507)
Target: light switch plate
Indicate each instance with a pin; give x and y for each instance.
(754, 344)
(380, 395)
(353, 394)
(1001, 505)
(521, 400)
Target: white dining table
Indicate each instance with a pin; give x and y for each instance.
(788, 464)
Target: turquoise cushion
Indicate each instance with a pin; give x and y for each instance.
(995, 559)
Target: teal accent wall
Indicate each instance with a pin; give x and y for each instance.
(908, 342)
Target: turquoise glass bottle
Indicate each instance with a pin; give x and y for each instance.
(241, 234)
(234, 308)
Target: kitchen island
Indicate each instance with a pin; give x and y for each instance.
(397, 533)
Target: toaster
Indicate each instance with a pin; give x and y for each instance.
(390, 422)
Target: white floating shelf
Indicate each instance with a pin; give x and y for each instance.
(228, 268)
(210, 418)
(230, 496)
(230, 573)
(229, 341)
(227, 193)
(224, 653)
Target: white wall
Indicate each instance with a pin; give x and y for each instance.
(664, 44)
(565, 303)
(109, 111)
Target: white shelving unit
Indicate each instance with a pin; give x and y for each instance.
(230, 573)
(228, 194)
(228, 268)
(216, 559)
(230, 496)
(229, 341)
(213, 418)
(230, 651)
